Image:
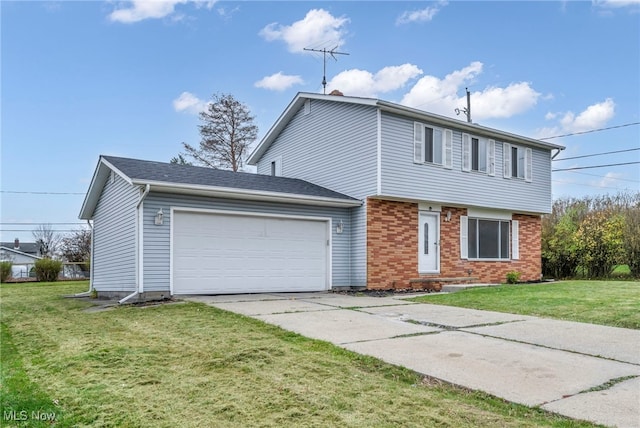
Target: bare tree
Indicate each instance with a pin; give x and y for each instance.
(227, 130)
(76, 247)
(47, 240)
(180, 160)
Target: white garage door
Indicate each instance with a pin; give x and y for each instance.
(226, 254)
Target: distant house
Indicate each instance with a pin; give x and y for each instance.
(350, 192)
(22, 255)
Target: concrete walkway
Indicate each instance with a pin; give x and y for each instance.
(579, 370)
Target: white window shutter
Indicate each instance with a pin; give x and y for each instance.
(466, 152)
(528, 164)
(491, 157)
(506, 156)
(515, 239)
(464, 237)
(418, 142)
(447, 148)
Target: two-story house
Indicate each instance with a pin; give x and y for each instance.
(350, 192)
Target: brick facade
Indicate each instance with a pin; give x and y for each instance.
(392, 243)
(392, 247)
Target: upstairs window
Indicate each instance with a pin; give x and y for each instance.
(478, 154)
(432, 145)
(517, 162)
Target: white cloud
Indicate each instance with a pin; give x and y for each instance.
(441, 95)
(189, 103)
(278, 82)
(139, 10)
(595, 116)
(610, 179)
(318, 27)
(362, 83)
(615, 3)
(422, 15)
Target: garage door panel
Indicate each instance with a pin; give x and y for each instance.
(220, 253)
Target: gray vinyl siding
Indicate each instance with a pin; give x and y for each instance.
(335, 146)
(402, 178)
(156, 242)
(114, 234)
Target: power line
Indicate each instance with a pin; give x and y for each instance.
(594, 166)
(42, 223)
(585, 184)
(592, 130)
(597, 154)
(607, 177)
(31, 230)
(41, 193)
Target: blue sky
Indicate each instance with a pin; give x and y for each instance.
(127, 78)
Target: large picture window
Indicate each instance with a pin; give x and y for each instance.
(488, 239)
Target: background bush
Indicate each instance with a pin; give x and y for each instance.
(591, 236)
(47, 270)
(5, 271)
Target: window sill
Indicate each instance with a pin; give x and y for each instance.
(489, 260)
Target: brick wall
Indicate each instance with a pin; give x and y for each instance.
(529, 264)
(392, 243)
(392, 247)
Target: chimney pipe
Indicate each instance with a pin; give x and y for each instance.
(16, 244)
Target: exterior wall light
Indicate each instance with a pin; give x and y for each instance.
(448, 215)
(159, 218)
(339, 227)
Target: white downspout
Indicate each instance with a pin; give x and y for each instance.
(88, 292)
(138, 249)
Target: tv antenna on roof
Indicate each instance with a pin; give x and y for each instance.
(466, 110)
(333, 54)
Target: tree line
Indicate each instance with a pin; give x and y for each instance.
(592, 235)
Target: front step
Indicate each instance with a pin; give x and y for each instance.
(430, 284)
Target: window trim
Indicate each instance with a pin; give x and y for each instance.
(513, 241)
(509, 163)
(468, 154)
(419, 145)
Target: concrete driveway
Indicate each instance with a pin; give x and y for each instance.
(579, 370)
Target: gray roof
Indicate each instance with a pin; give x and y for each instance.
(150, 171)
(24, 247)
(186, 179)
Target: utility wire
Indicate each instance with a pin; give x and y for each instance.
(31, 230)
(609, 178)
(592, 130)
(594, 166)
(41, 193)
(585, 184)
(45, 223)
(597, 154)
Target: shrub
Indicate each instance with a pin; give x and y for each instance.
(5, 271)
(47, 270)
(513, 277)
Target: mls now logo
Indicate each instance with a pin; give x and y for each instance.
(15, 415)
(23, 415)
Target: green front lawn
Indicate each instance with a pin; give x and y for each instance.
(613, 303)
(191, 365)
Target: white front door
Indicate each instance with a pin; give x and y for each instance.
(429, 242)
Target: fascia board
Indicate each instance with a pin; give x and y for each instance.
(256, 195)
(100, 176)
